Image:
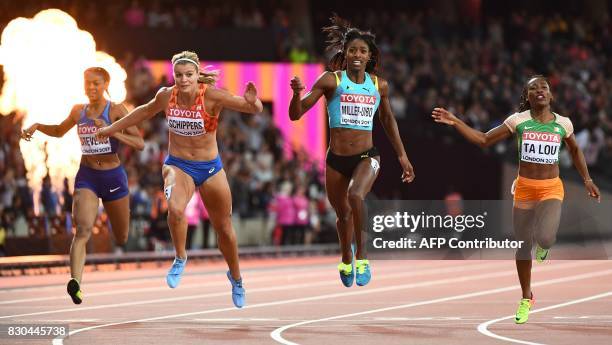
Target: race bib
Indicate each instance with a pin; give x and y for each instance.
(357, 110)
(185, 122)
(90, 145)
(541, 148)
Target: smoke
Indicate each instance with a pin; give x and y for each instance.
(43, 60)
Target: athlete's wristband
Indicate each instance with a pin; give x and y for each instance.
(588, 180)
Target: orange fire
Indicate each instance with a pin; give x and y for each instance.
(43, 60)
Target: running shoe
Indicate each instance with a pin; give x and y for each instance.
(347, 271)
(347, 274)
(176, 271)
(363, 274)
(74, 290)
(541, 254)
(238, 293)
(522, 313)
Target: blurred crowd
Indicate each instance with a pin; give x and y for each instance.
(164, 14)
(474, 67)
(120, 15)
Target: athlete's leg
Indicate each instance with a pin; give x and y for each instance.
(217, 198)
(119, 215)
(85, 211)
(336, 186)
(547, 218)
(178, 188)
(523, 221)
(363, 178)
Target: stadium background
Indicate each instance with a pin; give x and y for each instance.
(470, 56)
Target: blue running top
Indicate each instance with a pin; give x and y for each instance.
(90, 145)
(353, 105)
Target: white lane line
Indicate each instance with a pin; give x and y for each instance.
(277, 333)
(483, 327)
(590, 317)
(310, 272)
(326, 282)
(59, 341)
(65, 321)
(237, 319)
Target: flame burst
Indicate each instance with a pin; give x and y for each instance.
(43, 60)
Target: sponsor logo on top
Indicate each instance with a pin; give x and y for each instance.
(542, 136)
(363, 99)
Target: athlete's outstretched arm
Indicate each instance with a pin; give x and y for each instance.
(479, 138)
(580, 164)
(139, 114)
(53, 130)
(390, 125)
(299, 106)
(249, 103)
(130, 136)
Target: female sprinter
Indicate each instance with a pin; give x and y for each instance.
(353, 93)
(100, 174)
(192, 108)
(538, 191)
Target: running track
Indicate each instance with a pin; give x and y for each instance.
(301, 301)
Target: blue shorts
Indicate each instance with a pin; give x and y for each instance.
(200, 171)
(108, 185)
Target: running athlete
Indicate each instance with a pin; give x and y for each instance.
(192, 108)
(538, 190)
(353, 93)
(101, 175)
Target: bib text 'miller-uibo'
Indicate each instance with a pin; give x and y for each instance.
(538, 142)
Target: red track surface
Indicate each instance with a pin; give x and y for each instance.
(302, 301)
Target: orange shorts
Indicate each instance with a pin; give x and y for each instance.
(527, 192)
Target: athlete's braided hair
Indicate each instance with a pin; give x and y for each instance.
(339, 35)
(524, 103)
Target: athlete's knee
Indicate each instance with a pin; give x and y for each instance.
(175, 211)
(344, 215)
(223, 225)
(523, 253)
(225, 232)
(355, 197)
(82, 233)
(546, 240)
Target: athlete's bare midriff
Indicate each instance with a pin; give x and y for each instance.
(348, 142)
(199, 148)
(538, 171)
(101, 162)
